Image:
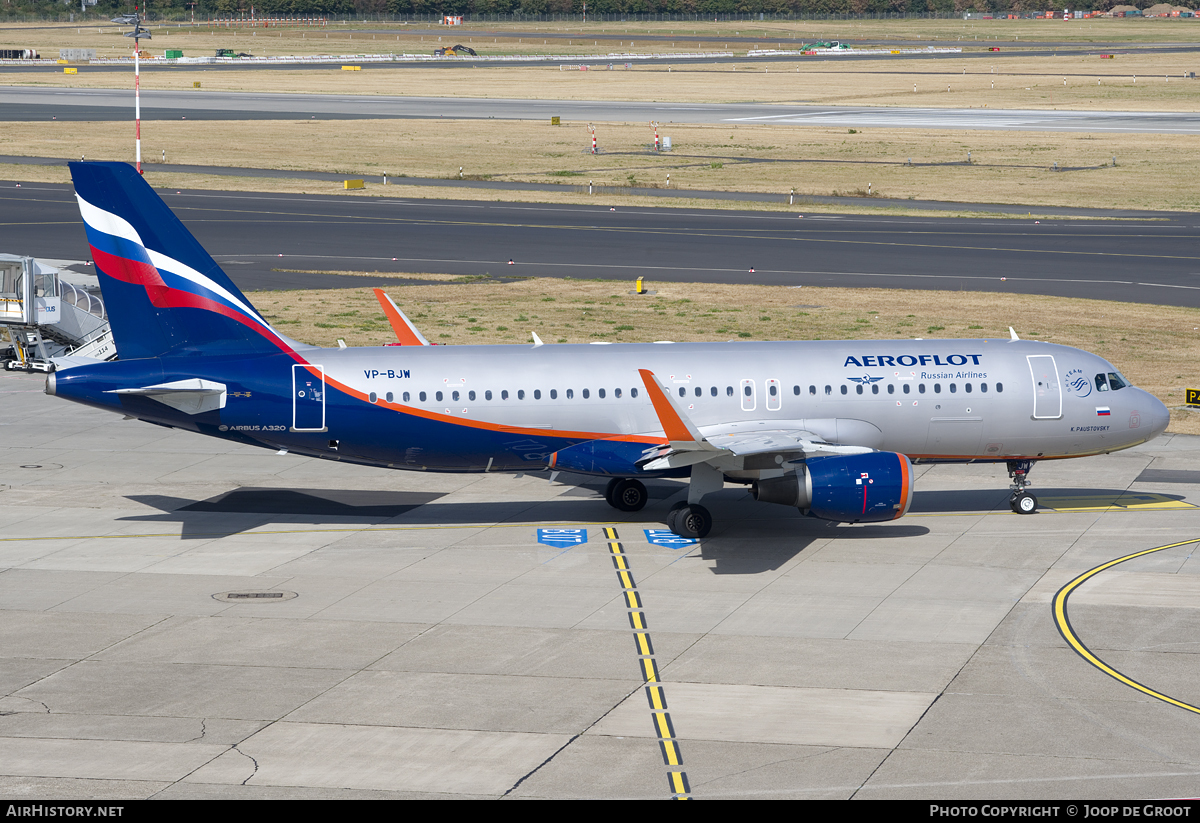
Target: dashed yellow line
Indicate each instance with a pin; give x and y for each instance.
(664, 729)
(1063, 621)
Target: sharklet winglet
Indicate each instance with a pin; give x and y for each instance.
(674, 422)
(406, 332)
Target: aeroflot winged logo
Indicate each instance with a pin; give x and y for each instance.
(119, 251)
(865, 379)
(881, 360)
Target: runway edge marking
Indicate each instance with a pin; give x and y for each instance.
(1063, 622)
(664, 729)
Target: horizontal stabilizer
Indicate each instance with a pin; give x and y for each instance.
(193, 396)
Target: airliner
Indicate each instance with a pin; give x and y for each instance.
(831, 428)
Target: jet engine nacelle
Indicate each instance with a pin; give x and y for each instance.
(855, 488)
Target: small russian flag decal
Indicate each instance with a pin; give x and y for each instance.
(1102, 411)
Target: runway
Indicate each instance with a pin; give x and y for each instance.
(185, 618)
(25, 104)
(256, 236)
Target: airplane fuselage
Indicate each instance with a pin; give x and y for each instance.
(509, 408)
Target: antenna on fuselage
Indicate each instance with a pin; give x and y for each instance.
(537, 341)
(1012, 334)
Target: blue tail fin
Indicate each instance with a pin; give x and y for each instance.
(163, 293)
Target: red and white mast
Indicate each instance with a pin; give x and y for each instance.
(138, 32)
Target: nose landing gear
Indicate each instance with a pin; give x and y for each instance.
(1021, 501)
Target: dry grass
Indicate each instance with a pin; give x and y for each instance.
(1007, 167)
(1024, 82)
(1155, 346)
(570, 38)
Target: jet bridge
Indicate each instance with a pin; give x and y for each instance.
(48, 318)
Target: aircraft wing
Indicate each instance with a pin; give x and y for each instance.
(688, 445)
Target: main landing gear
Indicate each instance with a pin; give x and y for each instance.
(1021, 501)
(626, 494)
(689, 520)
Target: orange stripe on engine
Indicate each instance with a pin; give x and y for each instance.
(905, 487)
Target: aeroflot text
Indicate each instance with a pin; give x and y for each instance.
(881, 360)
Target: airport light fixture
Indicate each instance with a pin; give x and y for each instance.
(135, 19)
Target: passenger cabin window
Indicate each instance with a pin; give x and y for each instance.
(844, 389)
(999, 387)
(617, 392)
(601, 393)
(585, 394)
(633, 392)
(537, 394)
(373, 397)
(422, 396)
(439, 397)
(682, 391)
(729, 391)
(570, 394)
(471, 394)
(713, 391)
(390, 396)
(554, 394)
(487, 395)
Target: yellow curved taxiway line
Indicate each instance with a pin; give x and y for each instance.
(1064, 625)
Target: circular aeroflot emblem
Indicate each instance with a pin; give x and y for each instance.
(1077, 383)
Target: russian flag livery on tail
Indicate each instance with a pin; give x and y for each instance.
(831, 428)
(167, 295)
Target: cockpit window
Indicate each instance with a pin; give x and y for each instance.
(1116, 381)
(1101, 382)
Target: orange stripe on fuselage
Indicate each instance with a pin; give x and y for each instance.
(482, 424)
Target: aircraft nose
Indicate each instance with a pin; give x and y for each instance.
(1156, 416)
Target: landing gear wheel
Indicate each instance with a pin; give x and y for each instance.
(674, 513)
(692, 521)
(627, 495)
(610, 489)
(1024, 503)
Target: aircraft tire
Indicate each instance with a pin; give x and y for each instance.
(610, 492)
(1024, 503)
(673, 513)
(629, 495)
(692, 521)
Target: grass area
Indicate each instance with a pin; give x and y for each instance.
(573, 37)
(1155, 346)
(1005, 167)
(1129, 81)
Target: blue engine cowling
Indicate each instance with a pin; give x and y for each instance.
(856, 488)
